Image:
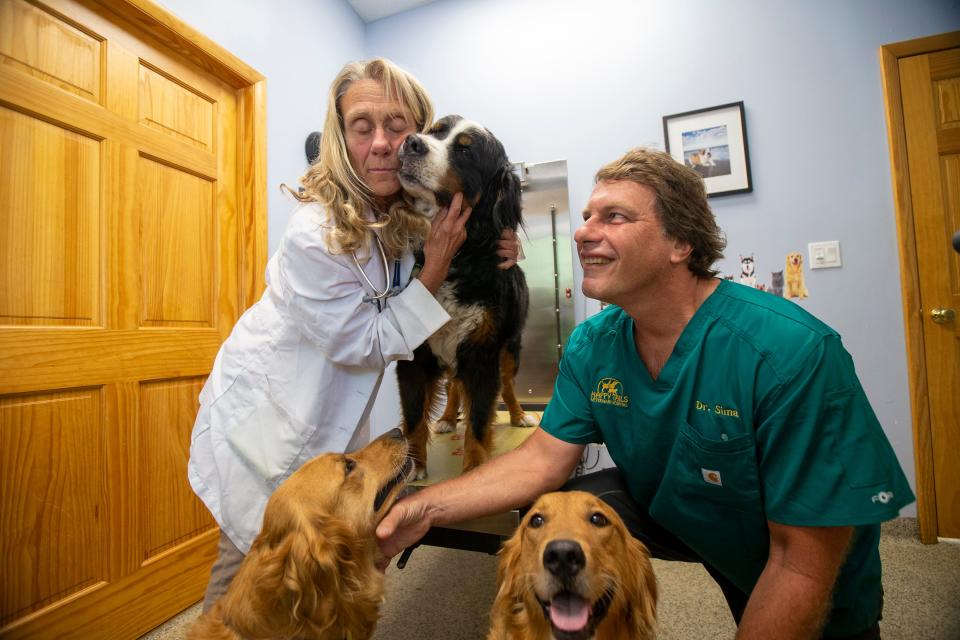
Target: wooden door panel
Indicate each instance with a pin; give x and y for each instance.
(172, 513)
(951, 187)
(944, 368)
(50, 251)
(52, 105)
(130, 241)
(178, 246)
(128, 606)
(54, 497)
(231, 257)
(175, 108)
(948, 102)
(29, 359)
(944, 65)
(50, 47)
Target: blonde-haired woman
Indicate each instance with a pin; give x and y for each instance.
(300, 371)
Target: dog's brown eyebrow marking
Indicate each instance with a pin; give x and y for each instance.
(439, 130)
(464, 139)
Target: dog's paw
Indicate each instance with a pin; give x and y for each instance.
(444, 426)
(526, 420)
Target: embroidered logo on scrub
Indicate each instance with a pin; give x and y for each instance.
(711, 476)
(609, 391)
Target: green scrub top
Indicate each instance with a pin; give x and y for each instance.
(758, 415)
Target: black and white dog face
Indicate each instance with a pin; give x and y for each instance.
(455, 155)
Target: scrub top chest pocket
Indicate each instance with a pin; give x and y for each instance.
(711, 499)
(719, 470)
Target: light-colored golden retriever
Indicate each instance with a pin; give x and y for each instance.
(311, 572)
(793, 277)
(572, 571)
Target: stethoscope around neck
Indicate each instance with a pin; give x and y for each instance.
(391, 289)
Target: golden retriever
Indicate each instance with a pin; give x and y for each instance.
(311, 572)
(572, 571)
(796, 288)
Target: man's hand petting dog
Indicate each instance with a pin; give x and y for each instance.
(407, 517)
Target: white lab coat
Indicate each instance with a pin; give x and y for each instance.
(300, 371)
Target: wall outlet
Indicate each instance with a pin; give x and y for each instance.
(824, 255)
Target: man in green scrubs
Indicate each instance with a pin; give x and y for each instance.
(741, 436)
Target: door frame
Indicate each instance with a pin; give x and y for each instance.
(890, 56)
(251, 162)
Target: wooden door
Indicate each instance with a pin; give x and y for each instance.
(929, 183)
(131, 235)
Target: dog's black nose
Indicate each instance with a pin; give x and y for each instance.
(413, 146)
(564, 558)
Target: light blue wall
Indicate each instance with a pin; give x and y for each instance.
(299, 46)
(585, 81)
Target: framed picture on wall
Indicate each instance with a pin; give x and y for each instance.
(713, 142)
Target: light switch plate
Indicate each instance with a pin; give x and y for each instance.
(824, 255)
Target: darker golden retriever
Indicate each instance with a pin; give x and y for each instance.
(311, 572)
(572, 571)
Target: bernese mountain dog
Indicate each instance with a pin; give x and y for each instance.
(487, 305)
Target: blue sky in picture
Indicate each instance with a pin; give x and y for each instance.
(705, 138)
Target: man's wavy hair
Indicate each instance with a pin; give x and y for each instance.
(333, 182)
(680, 200)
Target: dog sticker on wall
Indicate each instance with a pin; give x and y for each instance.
(796, 288)
(748, 274)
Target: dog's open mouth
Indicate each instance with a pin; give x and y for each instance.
(406, 469)
(573, 618)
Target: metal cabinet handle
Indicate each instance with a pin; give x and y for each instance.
(942, 316)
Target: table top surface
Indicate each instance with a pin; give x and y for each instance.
(445, 451)
(445, 461)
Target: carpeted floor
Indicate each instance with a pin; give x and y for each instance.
(445, 594)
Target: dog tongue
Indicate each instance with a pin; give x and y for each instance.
(569, 612)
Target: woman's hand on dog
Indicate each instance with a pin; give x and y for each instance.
(447, 233)
(509, 248)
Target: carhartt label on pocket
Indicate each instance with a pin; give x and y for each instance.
(711, 476)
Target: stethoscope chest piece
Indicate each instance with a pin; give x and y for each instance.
(390, 289)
